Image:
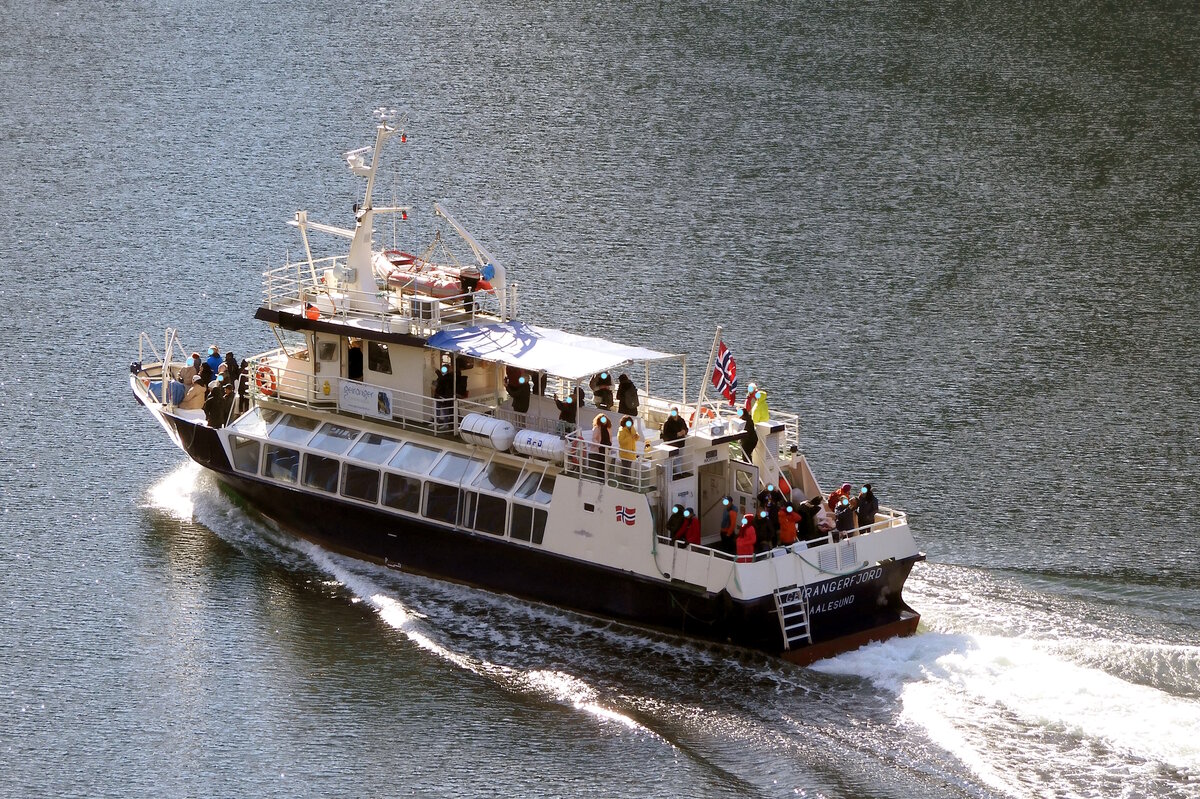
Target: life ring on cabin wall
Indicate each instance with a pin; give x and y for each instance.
(704, 412)
(264, 379)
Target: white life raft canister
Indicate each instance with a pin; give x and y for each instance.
(487, 431)
(540, 445)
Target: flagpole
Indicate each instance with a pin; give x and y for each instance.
(712, 356)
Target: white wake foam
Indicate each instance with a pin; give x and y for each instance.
(1001, 705)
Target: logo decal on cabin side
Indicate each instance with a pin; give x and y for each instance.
(627, 515)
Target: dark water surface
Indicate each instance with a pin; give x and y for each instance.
(962, 240)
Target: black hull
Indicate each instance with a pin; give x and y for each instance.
(846, 611)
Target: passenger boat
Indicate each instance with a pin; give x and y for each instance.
(343, 437)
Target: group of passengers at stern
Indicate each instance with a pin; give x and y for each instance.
(779, 521)
(215, 384)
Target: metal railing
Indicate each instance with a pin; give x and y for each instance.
(892, 518)
(601, 463)
(394, 308)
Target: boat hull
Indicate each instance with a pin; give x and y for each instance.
(847, 611)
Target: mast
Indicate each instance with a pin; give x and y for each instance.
(359, 259)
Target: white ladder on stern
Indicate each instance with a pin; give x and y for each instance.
(793, 615)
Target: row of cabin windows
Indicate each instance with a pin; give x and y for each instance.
(444, 503)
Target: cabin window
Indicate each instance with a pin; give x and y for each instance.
(456, 468)
(321, 472)
(489, 514)
(744, 482)
(297, 429)
(281, 463)
(374, 448)
(256, 421)
(359, 482)
(378, 358)
(415, 458)
(333, 438)
(402, 493)
(327, 350)
(441, 502)
(537, 488)
(497, 477)
(528, 524)
(245, 454)
(481, 512)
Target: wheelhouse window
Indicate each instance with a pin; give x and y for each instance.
(321, 472)
(528, 524)
(281, 463)
(296, 429)
(441, 502)
(378, 358)
(245, 454)
(402, 493)
(333, 438)
(374, 448)
(415, 458)
(359, 482)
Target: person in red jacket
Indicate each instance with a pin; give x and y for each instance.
(689, 531)
(788, 519)
(745, 540)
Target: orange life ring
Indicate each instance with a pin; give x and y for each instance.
(705, 412)
(264, 379)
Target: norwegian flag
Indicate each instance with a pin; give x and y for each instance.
(724, 375)
(627, 515)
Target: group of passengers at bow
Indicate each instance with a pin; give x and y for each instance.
(780, 521)
(215, 384)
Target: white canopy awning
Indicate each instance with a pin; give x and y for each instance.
(541, 349)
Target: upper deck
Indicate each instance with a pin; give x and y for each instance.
(395, 306)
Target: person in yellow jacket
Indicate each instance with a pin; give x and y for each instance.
(627, 445)
(760, 412)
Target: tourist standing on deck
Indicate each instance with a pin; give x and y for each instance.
(729, 526)
(746, 539)
(627, 396)
(789, 519)
(443, 397)
(689, 531)
(568, 411)
(600, 445)
(868, 505)
(520, 391)
(674, 522)
(845, 517)
(214, 358)
(627, 441)
(601, 385)
(674, 429)
(751, 391)
(808, 511)
(749, 439)
(231, 368)
(759, 411)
